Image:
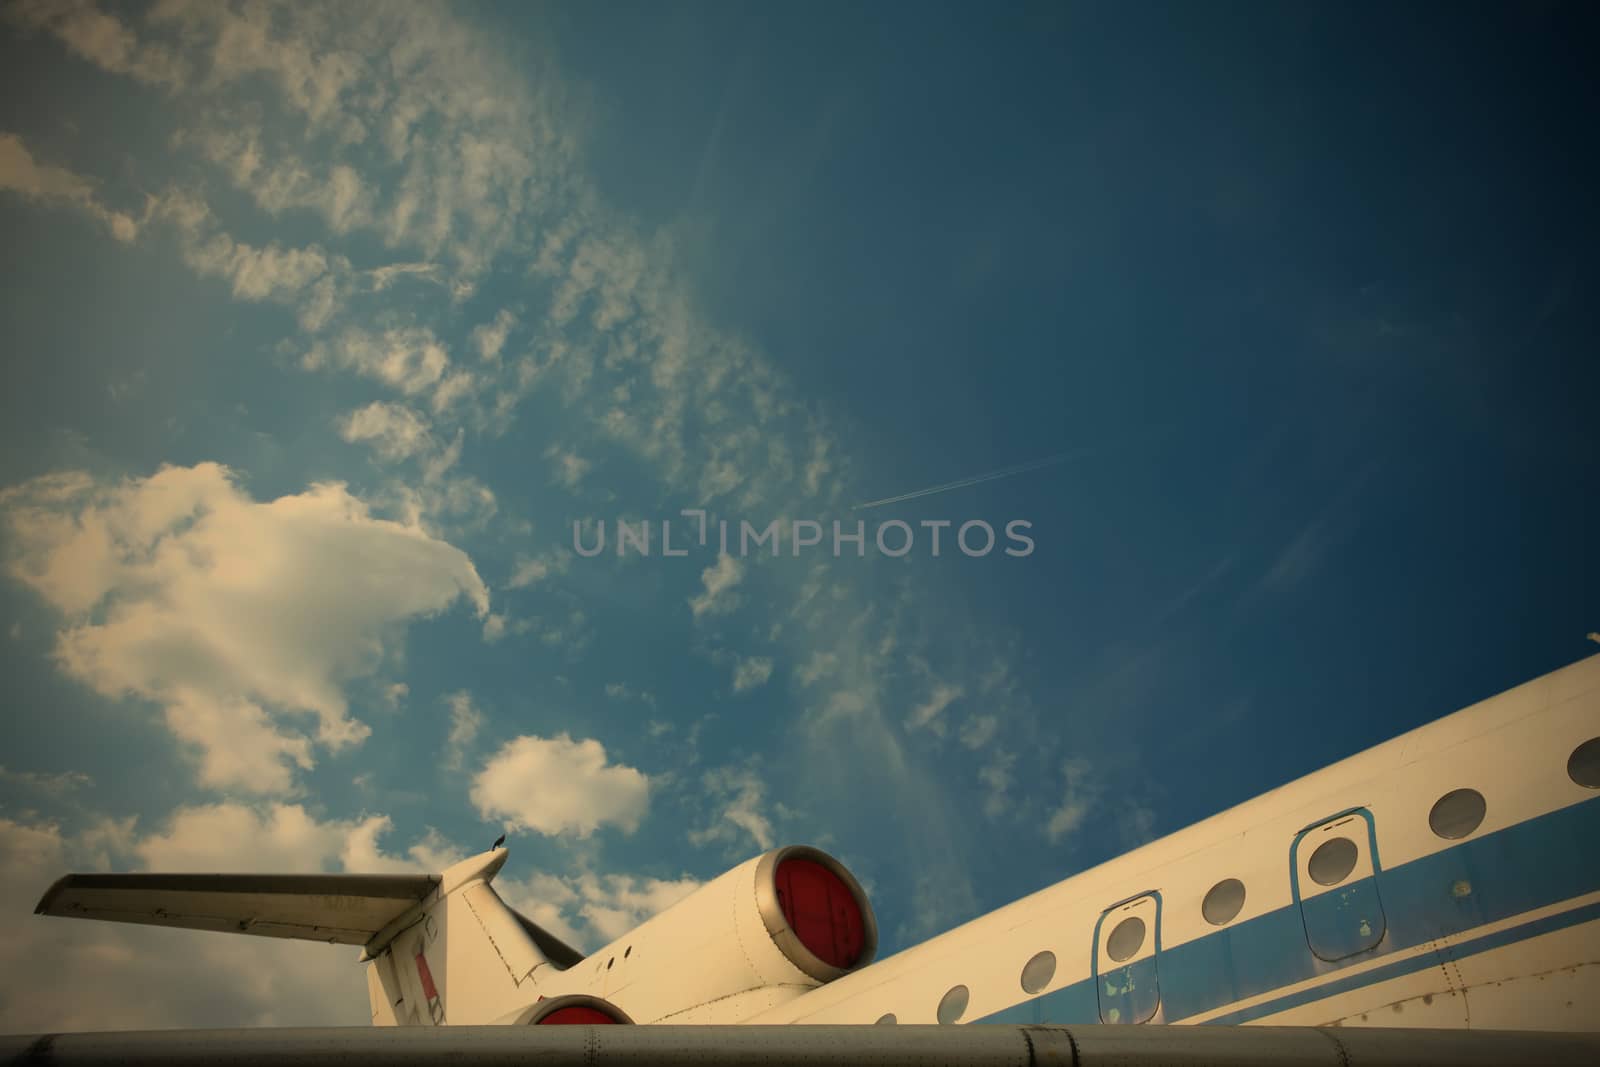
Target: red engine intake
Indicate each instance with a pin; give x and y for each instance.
(575, 1010)
(815, 911)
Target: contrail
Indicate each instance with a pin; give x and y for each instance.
(1004, 472)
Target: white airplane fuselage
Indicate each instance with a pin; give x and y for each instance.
(1447, 878)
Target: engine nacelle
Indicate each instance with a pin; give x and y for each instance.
(573, 1010)
(761, 934)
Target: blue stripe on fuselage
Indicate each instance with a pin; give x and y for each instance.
(1533, 864)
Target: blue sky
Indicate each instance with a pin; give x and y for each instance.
(323, 325)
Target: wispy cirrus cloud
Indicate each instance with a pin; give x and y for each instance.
(21, 174)
(440, 167)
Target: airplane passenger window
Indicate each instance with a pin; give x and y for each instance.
(1038, 971)
(1125, 939)
(886, 1020)
(1457, 813)
(1583, 766)
(1223, 902)
(953, 1004)
(1333, 861)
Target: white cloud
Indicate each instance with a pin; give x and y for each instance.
(569, 466)
(605, 905)
(359, 852)
(490, 337)
(410, 360)
(482, 161)
(266, 273)
(50, 784)
(531, 570)
(751, 673)
(393, 430)
(1080, 795)
(621, 691)
(101, 39)
(20, 173)
(236, 616)
(70, 975)
(821, 665)
(616, 903)
(996, 778)
(281, 838)
(465, 722)
(819, 466)
(558, 785)
(719, 580)
(383, 277)
(278, 182)
(926, 714)
(739, 792)
(978, 730)
(494, 627)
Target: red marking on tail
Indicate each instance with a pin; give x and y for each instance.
(426, 975)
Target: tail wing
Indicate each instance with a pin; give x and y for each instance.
(422, 935)
(347, 909)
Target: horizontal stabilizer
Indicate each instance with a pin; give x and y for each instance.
(346, 909)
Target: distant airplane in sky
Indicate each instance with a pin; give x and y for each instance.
(1446, 879)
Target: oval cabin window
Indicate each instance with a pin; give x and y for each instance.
(1038, 971)
(1457, 813)
(1333, 861)
(1583, 766)
(953, 1005)
(1223, 902)
(1126, 939)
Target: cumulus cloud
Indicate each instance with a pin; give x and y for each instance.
(20, 173)
(558, 785)
(236, 616)
(587, 910)
(615, 904)
(63, 974)
(71, 975)
(476, 163)
(719, 579)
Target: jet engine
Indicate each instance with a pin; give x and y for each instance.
(574, 1010)
(764, 932)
